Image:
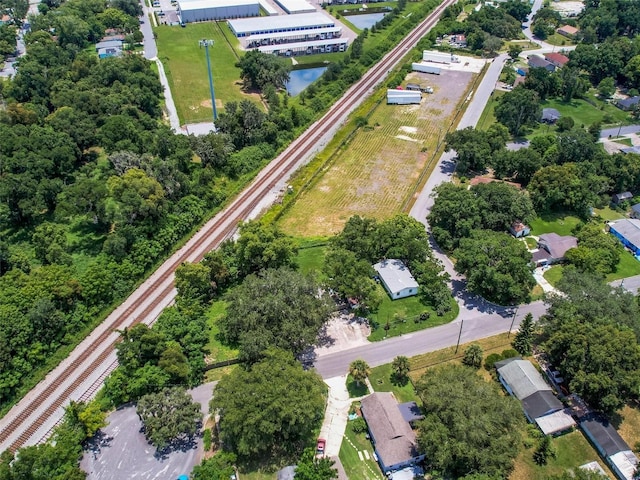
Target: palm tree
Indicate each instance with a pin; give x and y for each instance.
(400, 367)
(359, 370)
(473, 356)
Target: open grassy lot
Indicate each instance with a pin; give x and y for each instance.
(311, 259)
(609, 214)
(628, 266)
(553, 274)
(381, 381)
(559, 40)
(560, 223)
(629, 421)
(488, 116)
(186, 67)
(402, 316)
(376, 172)
(356, 468)
(572, 450)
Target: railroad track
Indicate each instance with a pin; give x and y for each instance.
(32, 419)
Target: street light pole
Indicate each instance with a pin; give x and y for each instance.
(206, 44)
(513, 320)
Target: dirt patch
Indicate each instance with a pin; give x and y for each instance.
(344, 331)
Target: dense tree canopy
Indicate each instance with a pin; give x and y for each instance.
(497, 266)
(517, 109)
(483, 440)
(275, 308)
(168, 416)
(474, 148)
(261, 69)
(592, 336)
(218, 467)
(287, 404)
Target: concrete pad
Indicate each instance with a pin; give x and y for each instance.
(360, 456)
(336, 414)
(342, 332)
(366, 455)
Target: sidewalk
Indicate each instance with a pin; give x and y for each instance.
(538, 274)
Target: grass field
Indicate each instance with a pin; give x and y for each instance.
(628, 266)
(559, 40)
(553, 274)
(402, 316)
(488, 117)
(186, 67)
(311, 259)
(572, 450)
(381, 381)
(607, 213)
(560, 223)
(375, 173)
(356, 468)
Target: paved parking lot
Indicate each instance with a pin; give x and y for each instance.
(122, 452)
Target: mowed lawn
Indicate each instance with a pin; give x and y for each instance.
(186, 66)
(376, 172)
(560, 223)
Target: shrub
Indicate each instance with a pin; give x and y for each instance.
(491, 360)
(509, 353)
(358, 425)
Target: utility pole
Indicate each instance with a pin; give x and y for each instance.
(513, 320)
(459, 335)
(206, 44)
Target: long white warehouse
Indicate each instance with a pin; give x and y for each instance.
(296, 6)
(207, 10)
(439, 57)
(282, 23)
(403, 97)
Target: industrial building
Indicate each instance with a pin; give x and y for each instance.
(403, 97)
(255, 41)
(628, 232)
(206, 10)
(245, 27)
(307, 48)
(439, 57)
(295, 6)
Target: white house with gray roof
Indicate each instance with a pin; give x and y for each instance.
(396, 278)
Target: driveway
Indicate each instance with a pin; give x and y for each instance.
(122, 452)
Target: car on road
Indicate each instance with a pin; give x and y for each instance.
(322, 443)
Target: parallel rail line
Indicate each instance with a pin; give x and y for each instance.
(158, 291)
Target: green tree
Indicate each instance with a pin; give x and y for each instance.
(400, 368)
(473, 356)
(451, 441)
(88, 417)
(168, 416)
(607, 87)
(544, 451)
(311, 468)
(277, 308)
(263, 246)
(47, 238)
(134, 196)
(193, 282)
(271, 423)
(517, 109)
(359, 370)
(523, 340)
(351, 277)
(501, 204)
(258, 70)
(473, 147)
(455, 213)
(497, 266)
(218, 467)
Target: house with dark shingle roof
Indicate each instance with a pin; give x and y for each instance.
(627, 104)
(521, 379)
(552, 248)
(536, 61)
(393, 438)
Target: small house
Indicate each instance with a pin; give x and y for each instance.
(396, 278)
(394, 441)
(5, 19)
(627, 104)
(550, 115)
(635, 149)
(558, 59)
(568, 31)
(117, 44)
(519, 229)
(109, 52)
(635, 211)
(621, 197)
(628, 232)
(552, 248)
(536, 61)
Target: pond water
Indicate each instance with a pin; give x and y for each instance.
(301, 79)
(365, 21)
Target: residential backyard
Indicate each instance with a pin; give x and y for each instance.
(186, 68)
(376, 172)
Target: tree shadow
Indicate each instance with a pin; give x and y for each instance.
(181, 444)
(399, 380)
(99, 441)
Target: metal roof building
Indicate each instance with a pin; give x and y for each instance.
(206, 10)
(628, 232)
(254, 41)
(315, 46)
(281, 23)
(521, 379)
(395, 276)
(296, 6)
(403, 97)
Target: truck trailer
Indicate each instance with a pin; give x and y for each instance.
(421, 67)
